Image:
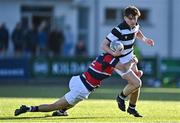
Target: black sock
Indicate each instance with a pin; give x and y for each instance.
(34, 109)
(132, 106)
(122, 96)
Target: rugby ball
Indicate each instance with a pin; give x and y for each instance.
(116, 45)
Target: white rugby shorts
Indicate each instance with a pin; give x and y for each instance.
(78, 91)
(126, 58)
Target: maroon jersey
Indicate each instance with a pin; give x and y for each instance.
(99, 69)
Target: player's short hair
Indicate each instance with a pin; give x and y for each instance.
(131, 10)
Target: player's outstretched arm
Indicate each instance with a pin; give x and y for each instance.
(146, 40)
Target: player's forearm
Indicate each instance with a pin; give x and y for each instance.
(140, 36)
(147, 41)
(105, 47)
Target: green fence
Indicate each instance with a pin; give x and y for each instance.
(170, 72)
(167, 70)
(58, 67)
(65, 67)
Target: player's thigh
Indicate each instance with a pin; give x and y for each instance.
(78, 91)
(123, 67)
(132, 78)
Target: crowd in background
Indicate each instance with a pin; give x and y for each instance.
(40, 41)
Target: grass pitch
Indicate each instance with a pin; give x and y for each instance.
(155, 104)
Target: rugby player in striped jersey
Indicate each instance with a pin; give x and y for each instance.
(127, 32)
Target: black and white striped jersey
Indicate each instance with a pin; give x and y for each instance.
(126, 35)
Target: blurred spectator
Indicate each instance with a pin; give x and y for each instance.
(4, 39)
(69, 42)
(17, 38)
(55, 41)
(42, 39)
(31, 41)
(80, 48)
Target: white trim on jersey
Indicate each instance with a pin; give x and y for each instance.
(112, 60)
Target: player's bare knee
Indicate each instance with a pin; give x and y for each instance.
(132, 79)
(137, 83)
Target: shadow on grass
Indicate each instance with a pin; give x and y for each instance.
(51, 117)
(16, 118)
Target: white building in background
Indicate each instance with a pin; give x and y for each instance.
(91, 20)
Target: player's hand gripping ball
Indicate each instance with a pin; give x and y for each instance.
(116, 45)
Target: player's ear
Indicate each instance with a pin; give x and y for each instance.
(125, 17)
